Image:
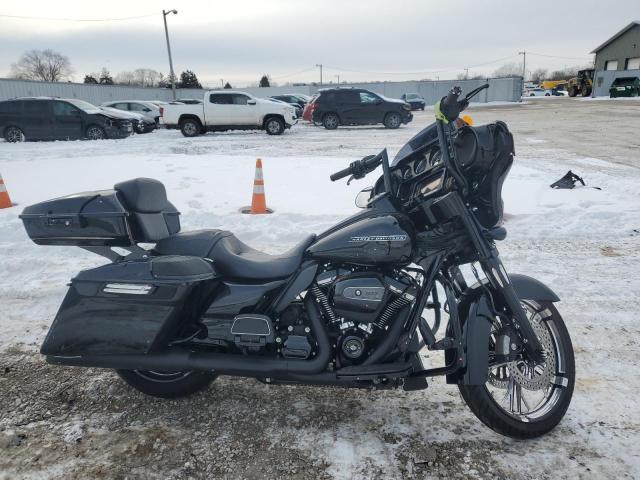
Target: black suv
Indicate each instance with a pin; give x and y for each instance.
(355, 106)
(44, 118)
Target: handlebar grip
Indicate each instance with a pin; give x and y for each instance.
(341, 174)
(452, 98)
(449, 105)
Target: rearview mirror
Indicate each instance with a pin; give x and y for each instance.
(251, 101)
(362, 199)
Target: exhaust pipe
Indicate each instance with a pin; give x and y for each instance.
(221, 363)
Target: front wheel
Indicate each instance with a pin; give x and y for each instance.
(95, 133)
(392, 120)
(274, 126)
(167, 384)
(524, 400)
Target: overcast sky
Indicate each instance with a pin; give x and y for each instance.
(239, 40)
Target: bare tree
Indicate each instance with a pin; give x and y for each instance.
(45, 65)
(508, 70)
(539, 75)
(141, 77)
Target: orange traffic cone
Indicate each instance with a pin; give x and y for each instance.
(258, 200)
(5, 201)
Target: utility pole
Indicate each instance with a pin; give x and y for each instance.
(524, 64)
(166, 33)
(320, 65)
(338, 76)
(466, 73)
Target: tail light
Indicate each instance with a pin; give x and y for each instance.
(162, 111)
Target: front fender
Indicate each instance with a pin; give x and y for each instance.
(528, 288)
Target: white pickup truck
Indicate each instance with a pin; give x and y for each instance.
(228, 110)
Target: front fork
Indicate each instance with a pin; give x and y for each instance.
(499, 278)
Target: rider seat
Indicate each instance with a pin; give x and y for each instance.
(147, 201)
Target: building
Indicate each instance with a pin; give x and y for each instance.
(617, 57)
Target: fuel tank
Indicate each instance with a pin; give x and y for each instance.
(382, 240)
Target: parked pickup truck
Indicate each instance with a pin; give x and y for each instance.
(228, 110)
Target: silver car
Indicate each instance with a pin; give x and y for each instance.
(145, 107)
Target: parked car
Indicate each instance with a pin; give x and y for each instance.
(229, 110)
(139, 122)
(51, 118)
(297, 109)
(537, 92)
(145, 107)
(559, 91)
(293, 98)
(306, 112)
(415, 100)
(356, 106)
(625, 87)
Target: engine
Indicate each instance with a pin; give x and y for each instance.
(359, 306)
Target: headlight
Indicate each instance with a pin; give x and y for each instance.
(406, 106)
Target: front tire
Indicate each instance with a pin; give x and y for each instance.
(392, 120)
(548, 386)
(95, 132)
(274, 126)
(14, 135)
(167, 384)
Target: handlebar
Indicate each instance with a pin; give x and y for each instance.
(359, 168)
(450, 107)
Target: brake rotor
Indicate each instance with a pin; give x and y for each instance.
(538, 376)
(529, 377)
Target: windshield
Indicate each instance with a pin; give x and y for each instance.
(413, 96)
(82, 105)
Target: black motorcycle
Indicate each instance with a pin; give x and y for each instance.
(351, 307)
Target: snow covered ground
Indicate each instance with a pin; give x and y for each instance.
(70, 423)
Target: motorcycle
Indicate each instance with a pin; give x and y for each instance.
(351, 307)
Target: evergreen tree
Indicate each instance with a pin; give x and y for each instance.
(105, 77)
(188, 79)
(227, 85)
(90, 79)
(264, 81)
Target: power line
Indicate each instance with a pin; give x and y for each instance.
(21, 17)
(424, 71)
(294, 73)
(557, 56)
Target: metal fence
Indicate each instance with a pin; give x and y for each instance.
(502, 89)
(604, 78)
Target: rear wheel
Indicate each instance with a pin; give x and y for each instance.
(14, 135)
(95, 132)
(190, 127)
(392, 120)
(330, 121)
(522, 399)
(572, 91)
(167, 384)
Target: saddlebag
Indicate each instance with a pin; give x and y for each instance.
(130, 307)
